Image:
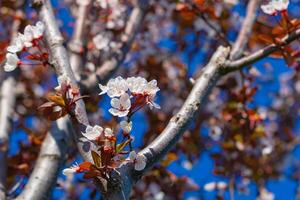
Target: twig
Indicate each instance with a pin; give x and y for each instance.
(252, 58)
(246, 30)
(78, 40)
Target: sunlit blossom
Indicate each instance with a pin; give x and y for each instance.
(12, 61)
(71, 170)
(115, 87)
(93, 132)
(121, 106)
(275, 6)
(139, 160)
(126, 126)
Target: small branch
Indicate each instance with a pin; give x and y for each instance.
(7, 104)
(60, 60)
(246, 30)
(78, 40)
(52, 156)
(110, 66)
(196, 99)
(248, 60)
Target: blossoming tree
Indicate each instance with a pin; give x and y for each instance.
(116, 54)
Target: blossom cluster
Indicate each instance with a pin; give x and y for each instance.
(97, 133)
(30, 38)
(129, 95)
(275, 6)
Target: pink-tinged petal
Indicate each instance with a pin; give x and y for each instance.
(12, 62)
(115, 103)
(118, 113)
(268, 9)
(125, 101)
(126, 126)
(103, 89)
(108, 132)
(98, 129)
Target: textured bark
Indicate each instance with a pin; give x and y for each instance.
(60, 60)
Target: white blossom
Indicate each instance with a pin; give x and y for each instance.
(21, 41)
(139, 160)
(12, 61)
(221, 185)
(139, 86)
(63, 82)
(275, 6)
(268, 9)
(93, 132)
(136, 84)
(120, 107)
(264, 194)
(38, 30)
(115, 87)
(108, 132)
(151, 89)
(71, 170)
(210, 186)
(16, 47)
(215, 133)
(126, 126)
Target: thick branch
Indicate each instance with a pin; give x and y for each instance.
(218, 66)
(174, 130)
(78, 40)
(246, 30)
(110, 66)
(51, 158)
(60, 60)
(7, 108)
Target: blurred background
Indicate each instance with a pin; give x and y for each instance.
(242, 145)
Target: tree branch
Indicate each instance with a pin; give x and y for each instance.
(252, 58)
(196, 99)
(218, 66)
(78, 40)
(246, 30)
(110, 66)
(51, 158)
(8, 99)
(60, 60)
